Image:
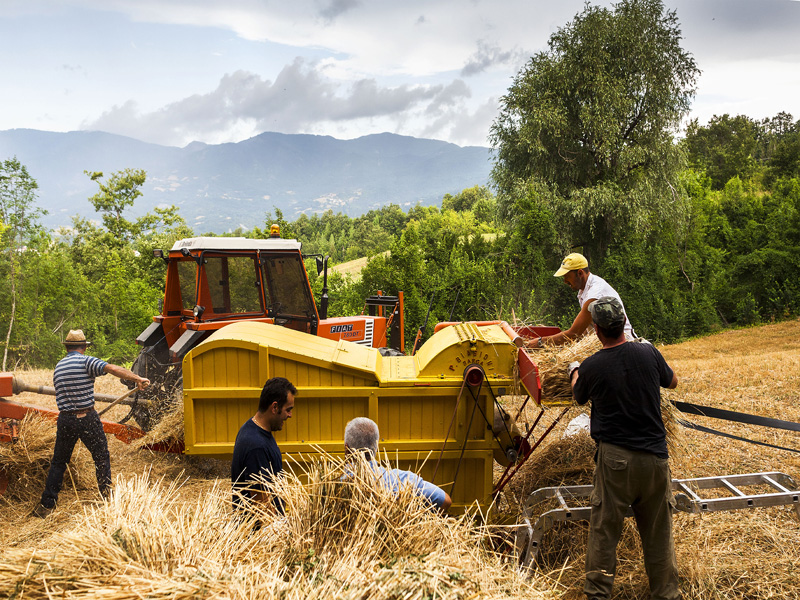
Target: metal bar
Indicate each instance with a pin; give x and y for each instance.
(775, 484)
(501, 484)
(688, 490)
(732, 488)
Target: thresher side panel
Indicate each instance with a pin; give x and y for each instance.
(410, 417)
(320, 416)
(227, 367)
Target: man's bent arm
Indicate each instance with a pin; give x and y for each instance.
(123, 373)
(581, 323)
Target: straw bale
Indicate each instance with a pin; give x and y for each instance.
(27, 460)
(552, 362)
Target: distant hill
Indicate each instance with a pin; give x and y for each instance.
(225, 186)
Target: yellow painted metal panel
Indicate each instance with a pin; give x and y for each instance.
(411, 398)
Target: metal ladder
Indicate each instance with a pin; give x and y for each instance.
(687, 499)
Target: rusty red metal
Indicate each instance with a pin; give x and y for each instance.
(14, 411)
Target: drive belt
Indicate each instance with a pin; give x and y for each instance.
(695, 426)
(737, 417)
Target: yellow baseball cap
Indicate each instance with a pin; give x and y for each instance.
(572, 262)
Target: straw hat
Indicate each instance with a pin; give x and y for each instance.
(75, 337)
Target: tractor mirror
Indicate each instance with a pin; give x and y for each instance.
(320, 265)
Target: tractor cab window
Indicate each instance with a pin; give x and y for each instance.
(187, 276)
(286, 286)
(233, 284)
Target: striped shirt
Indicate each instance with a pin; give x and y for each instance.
(73, 379)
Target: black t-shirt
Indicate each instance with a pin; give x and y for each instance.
(255, 451)
(624, 384)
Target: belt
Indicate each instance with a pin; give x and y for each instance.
(79, 413)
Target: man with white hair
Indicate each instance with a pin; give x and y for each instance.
(362, 435)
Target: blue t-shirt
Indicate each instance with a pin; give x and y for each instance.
(73, 379)
(254, 452)
(395, 479)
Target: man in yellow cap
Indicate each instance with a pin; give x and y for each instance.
(575, 271)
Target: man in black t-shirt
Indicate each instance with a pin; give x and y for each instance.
(255, 452)
(623, 382)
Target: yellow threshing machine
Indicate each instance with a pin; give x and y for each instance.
(437, 410)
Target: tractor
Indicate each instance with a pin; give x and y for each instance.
(212, 282)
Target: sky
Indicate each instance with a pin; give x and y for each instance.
(176, 71)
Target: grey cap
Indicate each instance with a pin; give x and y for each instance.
(607, 312)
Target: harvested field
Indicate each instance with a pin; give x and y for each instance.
(167, 531)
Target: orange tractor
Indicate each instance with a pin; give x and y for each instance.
(212, 282)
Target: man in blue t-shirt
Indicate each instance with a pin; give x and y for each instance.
(255, 452)
(73, 379)
(362, 435)
(623, 382)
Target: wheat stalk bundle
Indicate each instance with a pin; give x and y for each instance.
(343, 536)
(169, 428)
(27, 460)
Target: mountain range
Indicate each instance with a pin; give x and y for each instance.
(221, 187)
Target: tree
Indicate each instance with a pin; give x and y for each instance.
(592, 117)
(19, 220)
(478, 199)
(725, 148)
(115, 195)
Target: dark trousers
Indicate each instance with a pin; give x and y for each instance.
(641, 480)
(69, 430)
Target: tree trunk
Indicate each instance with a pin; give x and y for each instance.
(13, 278)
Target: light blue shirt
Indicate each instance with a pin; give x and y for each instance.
(395, 479)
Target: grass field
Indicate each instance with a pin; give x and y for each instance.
(158, 541)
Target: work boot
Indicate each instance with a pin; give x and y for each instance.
(41, 511)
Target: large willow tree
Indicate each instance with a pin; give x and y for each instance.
(586, 130)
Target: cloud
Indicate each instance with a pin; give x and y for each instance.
(489, 55)
(460, 125)
(338, 7)
(300, 100)
(725, 30)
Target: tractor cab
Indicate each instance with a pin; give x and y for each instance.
(212, 282)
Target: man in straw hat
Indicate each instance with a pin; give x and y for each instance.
(623, 381)
(73, 379)
(362, 435)
(255, 451)
(575, 271)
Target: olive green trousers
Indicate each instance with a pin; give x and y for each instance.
(626, 478)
